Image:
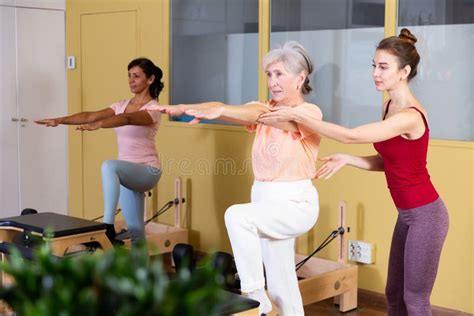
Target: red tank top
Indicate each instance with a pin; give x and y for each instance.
(405, 169)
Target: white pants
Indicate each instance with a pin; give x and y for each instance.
(265, 231)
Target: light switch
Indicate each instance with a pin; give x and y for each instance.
(71, 62)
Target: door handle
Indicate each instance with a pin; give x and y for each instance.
(15, 119)
(23, 119)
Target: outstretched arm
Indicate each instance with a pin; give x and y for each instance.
(334, 163)
(245, 114)
(403, 122)
(135, 118)
(179, 109)
(78, 118)
(242, 114)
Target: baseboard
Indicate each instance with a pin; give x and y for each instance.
(379, 300)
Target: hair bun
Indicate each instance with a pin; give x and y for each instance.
(406, 35)
(158, 72)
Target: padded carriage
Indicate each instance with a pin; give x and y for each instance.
(62, 231)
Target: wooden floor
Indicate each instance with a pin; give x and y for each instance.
(367, 307)
(327, 308)
(369, 304)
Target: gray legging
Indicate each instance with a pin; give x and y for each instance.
(414, 256)
(127, 181)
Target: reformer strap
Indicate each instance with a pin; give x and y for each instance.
(331, 237)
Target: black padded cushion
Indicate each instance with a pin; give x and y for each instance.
(58, 224)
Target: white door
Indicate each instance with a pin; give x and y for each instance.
(41, 160)
(9, 194)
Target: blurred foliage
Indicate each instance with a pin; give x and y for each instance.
(117, 282)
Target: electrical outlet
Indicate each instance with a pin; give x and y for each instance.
(361, 251)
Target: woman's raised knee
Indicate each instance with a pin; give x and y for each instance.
(108, 166)
(233, 215)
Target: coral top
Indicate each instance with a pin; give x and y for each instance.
(279, 155)
(405, 169)
(137, 143)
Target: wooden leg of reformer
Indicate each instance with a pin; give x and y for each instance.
(347, 301)
(5, 278)
(6, 235)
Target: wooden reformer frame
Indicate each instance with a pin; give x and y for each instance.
(320, 279)
(161, 238)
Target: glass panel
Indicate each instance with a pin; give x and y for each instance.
(214, 51)
(341, 37)
(444, 80)
(435, 12)
(306, 15)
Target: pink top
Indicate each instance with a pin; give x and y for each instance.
(279, 155)
(137, 143)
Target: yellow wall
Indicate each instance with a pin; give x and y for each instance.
(213, 161)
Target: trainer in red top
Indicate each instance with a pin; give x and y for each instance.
(405, 169)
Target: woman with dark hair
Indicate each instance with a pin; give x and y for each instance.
(137, 169)
(401, 140)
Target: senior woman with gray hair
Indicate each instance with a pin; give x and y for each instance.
(284, 202)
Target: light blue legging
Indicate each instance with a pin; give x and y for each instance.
(126, 182)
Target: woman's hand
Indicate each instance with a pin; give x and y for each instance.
(204, 114)
(49, 122)
(278, 114)
(160, 108)
(89, 127)
(173, 110)
(331, 165)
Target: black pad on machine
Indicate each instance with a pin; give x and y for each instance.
(58, 225)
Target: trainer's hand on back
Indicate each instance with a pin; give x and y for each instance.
(331, 165)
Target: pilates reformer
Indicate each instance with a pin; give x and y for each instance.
(67, 232)
(320, 279)
(24, 232)
(161, 238)
(61, 231)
